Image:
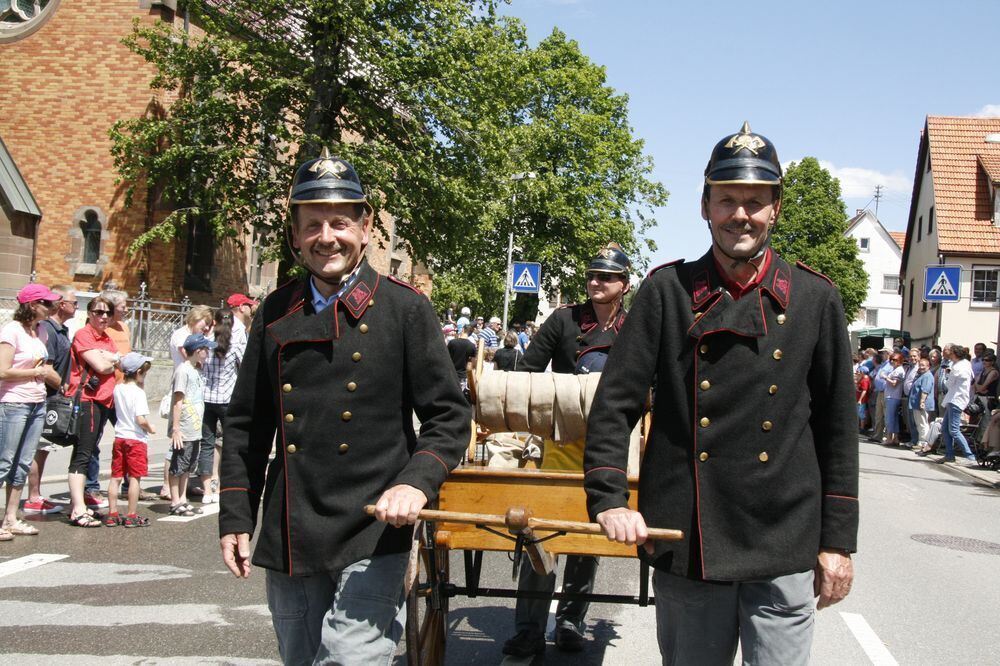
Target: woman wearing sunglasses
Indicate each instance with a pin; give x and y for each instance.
(94, 359)
(23, 374)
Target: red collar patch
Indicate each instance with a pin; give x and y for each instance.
(781, 285)
(701, 291)
(357, 299)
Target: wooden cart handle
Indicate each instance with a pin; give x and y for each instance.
(518, 517)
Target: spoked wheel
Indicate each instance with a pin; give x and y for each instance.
(426, 601)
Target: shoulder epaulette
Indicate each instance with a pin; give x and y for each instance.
(675, 262)
(404, 284)
(814, 272)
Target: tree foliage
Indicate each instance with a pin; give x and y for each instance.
(811, 230)
(438, 103)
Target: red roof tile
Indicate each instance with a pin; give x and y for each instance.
(899, 237)
(963, 209)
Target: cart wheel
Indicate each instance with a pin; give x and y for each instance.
(426, 599)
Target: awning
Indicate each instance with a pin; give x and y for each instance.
(12, 186)
(881, 333)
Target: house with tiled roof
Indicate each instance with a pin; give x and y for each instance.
(880, 251)
(955, 219)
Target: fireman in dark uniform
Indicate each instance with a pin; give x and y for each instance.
(753, 450)
(336, 365)
(575, 339)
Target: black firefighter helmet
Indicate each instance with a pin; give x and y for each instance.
(326, 179)
(744, 158)
(611, 259)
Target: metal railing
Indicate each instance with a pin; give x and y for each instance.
(152, 322)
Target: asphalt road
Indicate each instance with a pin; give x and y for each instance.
(924, 592)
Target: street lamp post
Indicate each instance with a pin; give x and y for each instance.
(510, 244)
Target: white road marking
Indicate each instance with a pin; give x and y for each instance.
(129, 660)
(259, 609)
(74, 574)
(28, 562)
(869, 640)
(33, 614)
(206, 510)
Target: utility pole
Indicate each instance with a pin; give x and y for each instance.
(878, 195)
(510, 245)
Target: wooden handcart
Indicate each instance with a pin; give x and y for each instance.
(530, 513)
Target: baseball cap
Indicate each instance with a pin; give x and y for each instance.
(34, 291)
(236, 300)
(197, 341)
(494, 320)
(132, 361)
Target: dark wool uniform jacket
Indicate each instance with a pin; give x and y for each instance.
(565, 336)
(339, 389)
(754, 448)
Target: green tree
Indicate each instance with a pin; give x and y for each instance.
(436, 102)
(811, 230)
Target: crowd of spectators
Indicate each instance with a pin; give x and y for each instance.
(932, 399)
(41, 357)
(503, 350)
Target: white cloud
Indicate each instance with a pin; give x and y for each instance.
(860, 182)
(988, 111)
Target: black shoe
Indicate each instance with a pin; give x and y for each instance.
(569, 639)
(525, 643)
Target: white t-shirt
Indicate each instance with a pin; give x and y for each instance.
(958, 383)
(29, 352)
(177, 339)
(130, 402)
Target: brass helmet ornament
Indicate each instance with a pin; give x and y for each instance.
(324, 179)
(611, 259)
(745, 158)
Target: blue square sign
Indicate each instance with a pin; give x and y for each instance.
(526, 277)
(942, 283)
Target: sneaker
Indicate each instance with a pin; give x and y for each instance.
(944, 460)
(41, 505)
(209, 498)
(94, 501)
(525, 643)
(971, 463)
(569, 638)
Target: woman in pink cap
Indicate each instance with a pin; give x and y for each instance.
(24, 372)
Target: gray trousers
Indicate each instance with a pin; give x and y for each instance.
(700, 622)
(578, 578)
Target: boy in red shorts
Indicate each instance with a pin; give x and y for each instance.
(128, 457)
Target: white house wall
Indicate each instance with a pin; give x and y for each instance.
(962, 322)
(921, 322)
(882, 258)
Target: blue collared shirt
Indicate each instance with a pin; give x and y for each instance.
(320, 302)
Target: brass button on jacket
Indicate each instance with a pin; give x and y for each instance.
(356, 356)
(343, 448)
(703, 349)
(371, 302)
(703, 457)
(777, 354)
(781, 319)
(289, 418)
(291, 448)
(352, 387)
(763, 456)
(773, 389)
(766, 426)
(363, 328)
(346, 416)
(705, 385)
(704, 422)
(287, 388)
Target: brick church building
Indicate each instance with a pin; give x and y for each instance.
(66, 79)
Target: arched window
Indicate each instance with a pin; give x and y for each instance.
(90, 226)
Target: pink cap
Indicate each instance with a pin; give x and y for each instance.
(236, 300)
(36, 292)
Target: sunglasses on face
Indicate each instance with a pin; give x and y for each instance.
(45, 303)
(101, 313)
(602, 277)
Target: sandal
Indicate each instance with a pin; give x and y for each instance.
(112, 520)
(84, 520)
(21, 528)
(6, 535)
(135, 521)
(193, 509)
(181, 510)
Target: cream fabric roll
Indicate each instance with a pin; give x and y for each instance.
(518, 401)
(570, 424)
(491, 395)
(541, 404)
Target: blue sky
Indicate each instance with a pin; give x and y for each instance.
(847, 82)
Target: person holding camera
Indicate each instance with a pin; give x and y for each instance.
(93, 359)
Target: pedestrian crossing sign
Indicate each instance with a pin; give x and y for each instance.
(942, 283)
(526, 277)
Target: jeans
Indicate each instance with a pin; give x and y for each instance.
(20, 429)
(952, 432)
(354, 616)
(215, 415)
(699, 622)
(578, 578)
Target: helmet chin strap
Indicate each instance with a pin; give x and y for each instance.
(755, 259)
